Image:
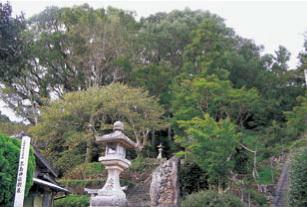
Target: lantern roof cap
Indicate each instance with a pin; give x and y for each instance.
(117, 136)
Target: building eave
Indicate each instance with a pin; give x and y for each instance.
(50, 185)
(42, 161)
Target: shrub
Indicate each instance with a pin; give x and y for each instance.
(11, 128)
(298, 180)
(73, 201)
(192, 178)
(265, 175)
(85, 170)
(300, 143)
(67, 160)
(258, 198)
(138, 164)
(211, 199)
(142, 165)
(9, 158)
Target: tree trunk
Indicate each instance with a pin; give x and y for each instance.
(169, 132)
(153, 138)
(255, 172)
(89, 150)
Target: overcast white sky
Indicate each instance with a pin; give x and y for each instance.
(268, 23)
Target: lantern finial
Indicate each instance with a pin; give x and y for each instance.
(118, 126)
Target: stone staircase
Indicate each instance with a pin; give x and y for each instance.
(281, 193)
(138, 196)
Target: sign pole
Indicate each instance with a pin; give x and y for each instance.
(22, 171)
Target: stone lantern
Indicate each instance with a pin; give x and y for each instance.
(160, 149)
(115, 162)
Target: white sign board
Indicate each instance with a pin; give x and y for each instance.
(22, 171)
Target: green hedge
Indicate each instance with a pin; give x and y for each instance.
(211, 199)
(298, 180)
(90, 183)
(85, 183)
(73, 201)
(9, 158)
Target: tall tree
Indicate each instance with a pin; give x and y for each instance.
(163, 36)
(70, 49)
(11, 44)
(67, 127)
(281, 59)
(161, 40)
(303, 55)
(216, 49)
(210, 144)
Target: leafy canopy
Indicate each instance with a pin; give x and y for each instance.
(68, 124)
(197, 96)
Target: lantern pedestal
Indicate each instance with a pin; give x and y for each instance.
(111, 194)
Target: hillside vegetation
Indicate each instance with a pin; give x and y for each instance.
(183, 79)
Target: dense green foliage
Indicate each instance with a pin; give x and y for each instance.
(298, 176)
(297, 118)
(73, 201)
(212, 199)
(9, 157)
(181, 78)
